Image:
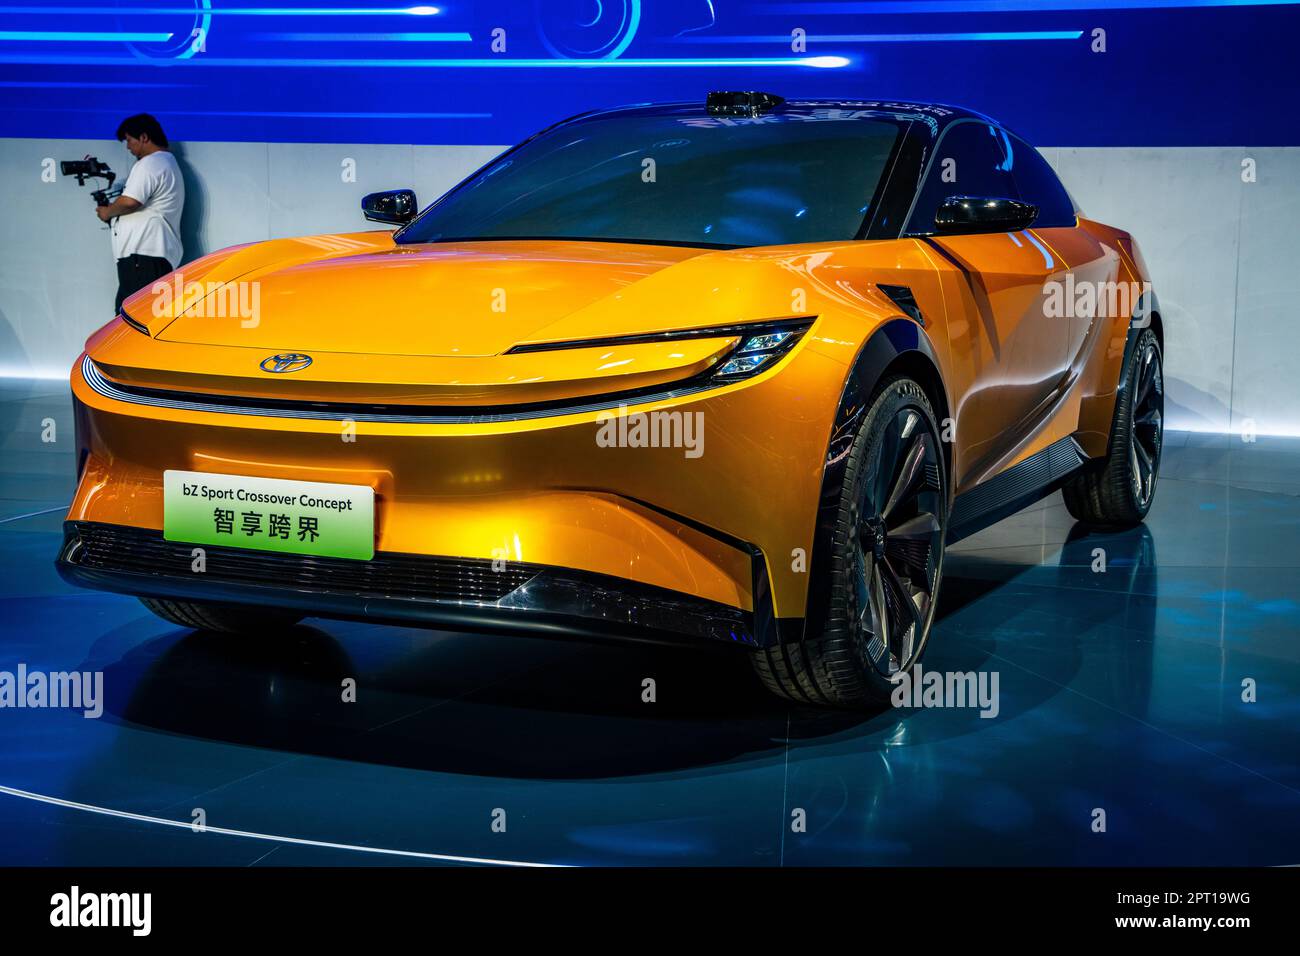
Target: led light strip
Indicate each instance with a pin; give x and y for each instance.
(672, 335)
(95, 379)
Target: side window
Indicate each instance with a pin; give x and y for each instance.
(1039, 185)
(972, 159)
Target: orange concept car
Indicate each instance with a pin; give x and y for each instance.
(725, 372)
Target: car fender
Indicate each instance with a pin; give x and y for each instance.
(895, 340)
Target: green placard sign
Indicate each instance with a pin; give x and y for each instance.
(270, 514)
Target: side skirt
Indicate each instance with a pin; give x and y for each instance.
(1014, 489)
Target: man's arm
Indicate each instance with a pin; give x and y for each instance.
(118, 207)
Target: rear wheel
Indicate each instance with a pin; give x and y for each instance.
(886, 565)
(1117, 491)
(229, 618)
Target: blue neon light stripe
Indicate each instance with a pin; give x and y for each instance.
(44, 36)
(368, 37)
(1002, 6)
(87, 85)
(951, 37)
(415, 11)
(816, 62)
(893, 37)
(273, 114)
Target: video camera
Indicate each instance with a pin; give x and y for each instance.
(91, 168)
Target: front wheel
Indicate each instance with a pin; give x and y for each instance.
(886, 565)
(227, 618)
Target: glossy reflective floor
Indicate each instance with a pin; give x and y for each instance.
(1119, 691)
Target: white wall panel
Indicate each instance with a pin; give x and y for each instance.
(313, 189)
(57, 277)
(1183, 208)
(227, 189)
(1266, 361)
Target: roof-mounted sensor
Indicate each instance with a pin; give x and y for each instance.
(742, 102)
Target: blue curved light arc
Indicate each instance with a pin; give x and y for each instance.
(634, 17)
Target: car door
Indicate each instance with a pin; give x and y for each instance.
(1007, 358)
(1087, 266)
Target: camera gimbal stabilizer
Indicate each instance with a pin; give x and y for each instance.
(90, 168)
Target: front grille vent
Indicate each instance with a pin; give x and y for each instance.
(142, 551)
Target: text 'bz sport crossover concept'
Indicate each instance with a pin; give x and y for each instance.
(724, 372)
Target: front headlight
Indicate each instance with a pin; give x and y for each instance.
(766, 341)
(761, 348)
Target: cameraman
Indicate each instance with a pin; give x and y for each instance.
(146, 219)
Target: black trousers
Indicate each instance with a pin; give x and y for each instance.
(135, 272)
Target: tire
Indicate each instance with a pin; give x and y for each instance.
(886, 563)
(226, 618)
(1116, 492)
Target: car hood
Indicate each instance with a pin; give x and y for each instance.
(437, 322)
(464, 299)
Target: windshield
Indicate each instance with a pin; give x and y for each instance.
(683, 179)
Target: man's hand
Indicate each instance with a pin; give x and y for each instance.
(119, 207)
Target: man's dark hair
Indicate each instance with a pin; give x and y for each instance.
(142, 123)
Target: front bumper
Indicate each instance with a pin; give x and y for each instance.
(732, 526)
(460, 593)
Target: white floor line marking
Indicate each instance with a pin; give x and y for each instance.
(33, 514)
(162, 821)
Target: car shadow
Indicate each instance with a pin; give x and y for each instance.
(510, 707)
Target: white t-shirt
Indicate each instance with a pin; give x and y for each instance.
(155, 228)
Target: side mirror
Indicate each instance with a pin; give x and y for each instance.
(959, 215)
(397, 206)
